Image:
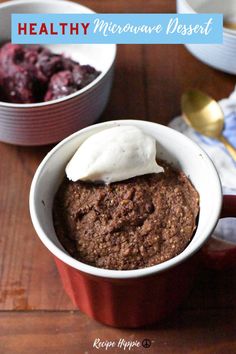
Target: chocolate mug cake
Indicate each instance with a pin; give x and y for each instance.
(131, 223)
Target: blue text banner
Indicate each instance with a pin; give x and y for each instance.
(117, 28)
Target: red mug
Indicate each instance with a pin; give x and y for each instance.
(135, 298)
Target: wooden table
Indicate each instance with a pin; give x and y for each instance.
(36, 316)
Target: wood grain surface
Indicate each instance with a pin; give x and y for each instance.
(35, 314)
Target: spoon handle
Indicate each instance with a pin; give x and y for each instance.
(228, 146)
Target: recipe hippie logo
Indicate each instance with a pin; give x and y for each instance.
(122, 344)
(117, 28)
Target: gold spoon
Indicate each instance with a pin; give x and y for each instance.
(205, 115)
(230, 25)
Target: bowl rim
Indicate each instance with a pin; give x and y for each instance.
(226, 31)
(124, 274)
(92, 85)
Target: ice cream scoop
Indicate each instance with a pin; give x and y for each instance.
(113, 155)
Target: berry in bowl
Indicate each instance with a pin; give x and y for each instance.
(49, 92)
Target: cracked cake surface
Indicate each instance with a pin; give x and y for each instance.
(127, 225)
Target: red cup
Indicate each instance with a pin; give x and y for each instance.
(135, 298)
(217, 253)
(146, 300)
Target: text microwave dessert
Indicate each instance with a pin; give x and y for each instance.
(31, 74)
(144, 218)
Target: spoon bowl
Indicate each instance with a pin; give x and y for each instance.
(205, 115)
(202, 113)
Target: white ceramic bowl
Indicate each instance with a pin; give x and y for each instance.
(48, 122)
(172, 146)
(219, 56)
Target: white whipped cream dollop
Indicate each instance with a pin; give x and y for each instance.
(114, 154)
